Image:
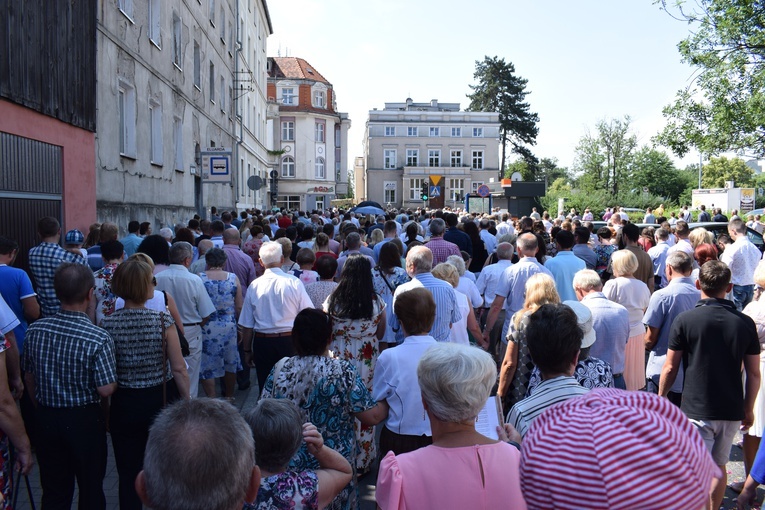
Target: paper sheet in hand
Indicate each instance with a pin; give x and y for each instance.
(489, 418)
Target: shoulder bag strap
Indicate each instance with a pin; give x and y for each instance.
(164, 355)
(278, 368)
(392, 290)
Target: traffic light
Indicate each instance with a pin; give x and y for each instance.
(424, 194)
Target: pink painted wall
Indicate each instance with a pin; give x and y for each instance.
(79, 159)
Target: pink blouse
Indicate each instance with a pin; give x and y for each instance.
(445, 478)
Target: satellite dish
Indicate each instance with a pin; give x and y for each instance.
(516, 176)
(255, 182)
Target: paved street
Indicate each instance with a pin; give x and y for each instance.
(246, 399)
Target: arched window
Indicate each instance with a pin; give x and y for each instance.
(320, 174)
(288, 166)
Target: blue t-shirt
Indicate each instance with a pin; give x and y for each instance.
(15, 286)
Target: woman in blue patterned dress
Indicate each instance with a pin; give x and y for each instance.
(387, 275)
(220, 357)
(329, 393)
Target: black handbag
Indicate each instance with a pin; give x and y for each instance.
(185, 350)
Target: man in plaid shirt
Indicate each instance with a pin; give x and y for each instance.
(44, 259)
(70, 366)
(441, 249)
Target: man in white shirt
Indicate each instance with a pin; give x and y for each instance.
(683, 243)
(268, 312)
(193, 302)
(488, 282)
(505, 226)
(488, 239)
(658, 256)
(534, 214)
(742, 258)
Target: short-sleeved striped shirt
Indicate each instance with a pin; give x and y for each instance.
(69, 358)
(547, 394)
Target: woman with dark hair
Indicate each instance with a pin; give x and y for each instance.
(329, 393)
(412, 234)
(252, 248)
(156, 247)
(646, 239)
(220, 357)
(386, 277)
(321, 248)
(358, 325)
(604, 250)
(479, 249)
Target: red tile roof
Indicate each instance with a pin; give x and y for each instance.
(296, 69)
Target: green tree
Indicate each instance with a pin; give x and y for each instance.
(500, 90)
(603, 159)
(718, 170)
(655, 171)
(723, 109)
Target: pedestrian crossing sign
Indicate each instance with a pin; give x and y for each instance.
(434, 191)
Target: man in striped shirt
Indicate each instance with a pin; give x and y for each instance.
(554, 338)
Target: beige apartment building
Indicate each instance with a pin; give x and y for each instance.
(409, 145)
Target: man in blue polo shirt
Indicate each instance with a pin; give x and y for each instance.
(565, 265)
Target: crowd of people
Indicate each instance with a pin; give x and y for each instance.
(378, 340)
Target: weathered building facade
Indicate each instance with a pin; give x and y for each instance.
(409, 147)
(168, 88)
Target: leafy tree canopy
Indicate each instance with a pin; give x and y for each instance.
(500, 90)
(603, 158)
(718, 170)
(654, 171)
(724, 107)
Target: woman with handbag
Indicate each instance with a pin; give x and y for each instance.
(145, 341)
(386, 277)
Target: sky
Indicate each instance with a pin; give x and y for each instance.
(584, 60)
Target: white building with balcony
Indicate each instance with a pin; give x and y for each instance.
(310, 136)
(408, 145)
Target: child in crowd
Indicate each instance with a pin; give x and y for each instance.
(278, 433)
(73, 243)
(305, 259)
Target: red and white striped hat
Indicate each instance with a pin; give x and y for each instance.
(615, 449)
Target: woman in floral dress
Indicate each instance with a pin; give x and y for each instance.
(358, 324)
(329, 393)
(220, 357)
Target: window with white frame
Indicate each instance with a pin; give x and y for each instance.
(288, 166)
(177, 46)
(288, 131)
(319, 98)
(475, 185)
(415, 188)
(434, 131)
(126, 6)
(320, 171)
(288, 95)
(197, 66)
(477, 160)
(434, 157)
(155, 23)
(389, 188)
(455, 158)
(411, 131)
(338, 176)
(390, 130)
(477, 132)
(126, 107)
(412, 157)
(389, 158)
(155, 132)
(288, 201)
(178, 143)
(212, 83)
(456, 132)
(319, 132)
(456, 188)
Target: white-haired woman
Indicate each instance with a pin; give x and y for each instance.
(756, 310)
(466, 285)
(462, 468)
(633, 294)
(468, 322)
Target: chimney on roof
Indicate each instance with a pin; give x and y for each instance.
(408, 101)
(434, 103)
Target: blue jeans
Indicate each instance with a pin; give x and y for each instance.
(619, 382)
(742, 295)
